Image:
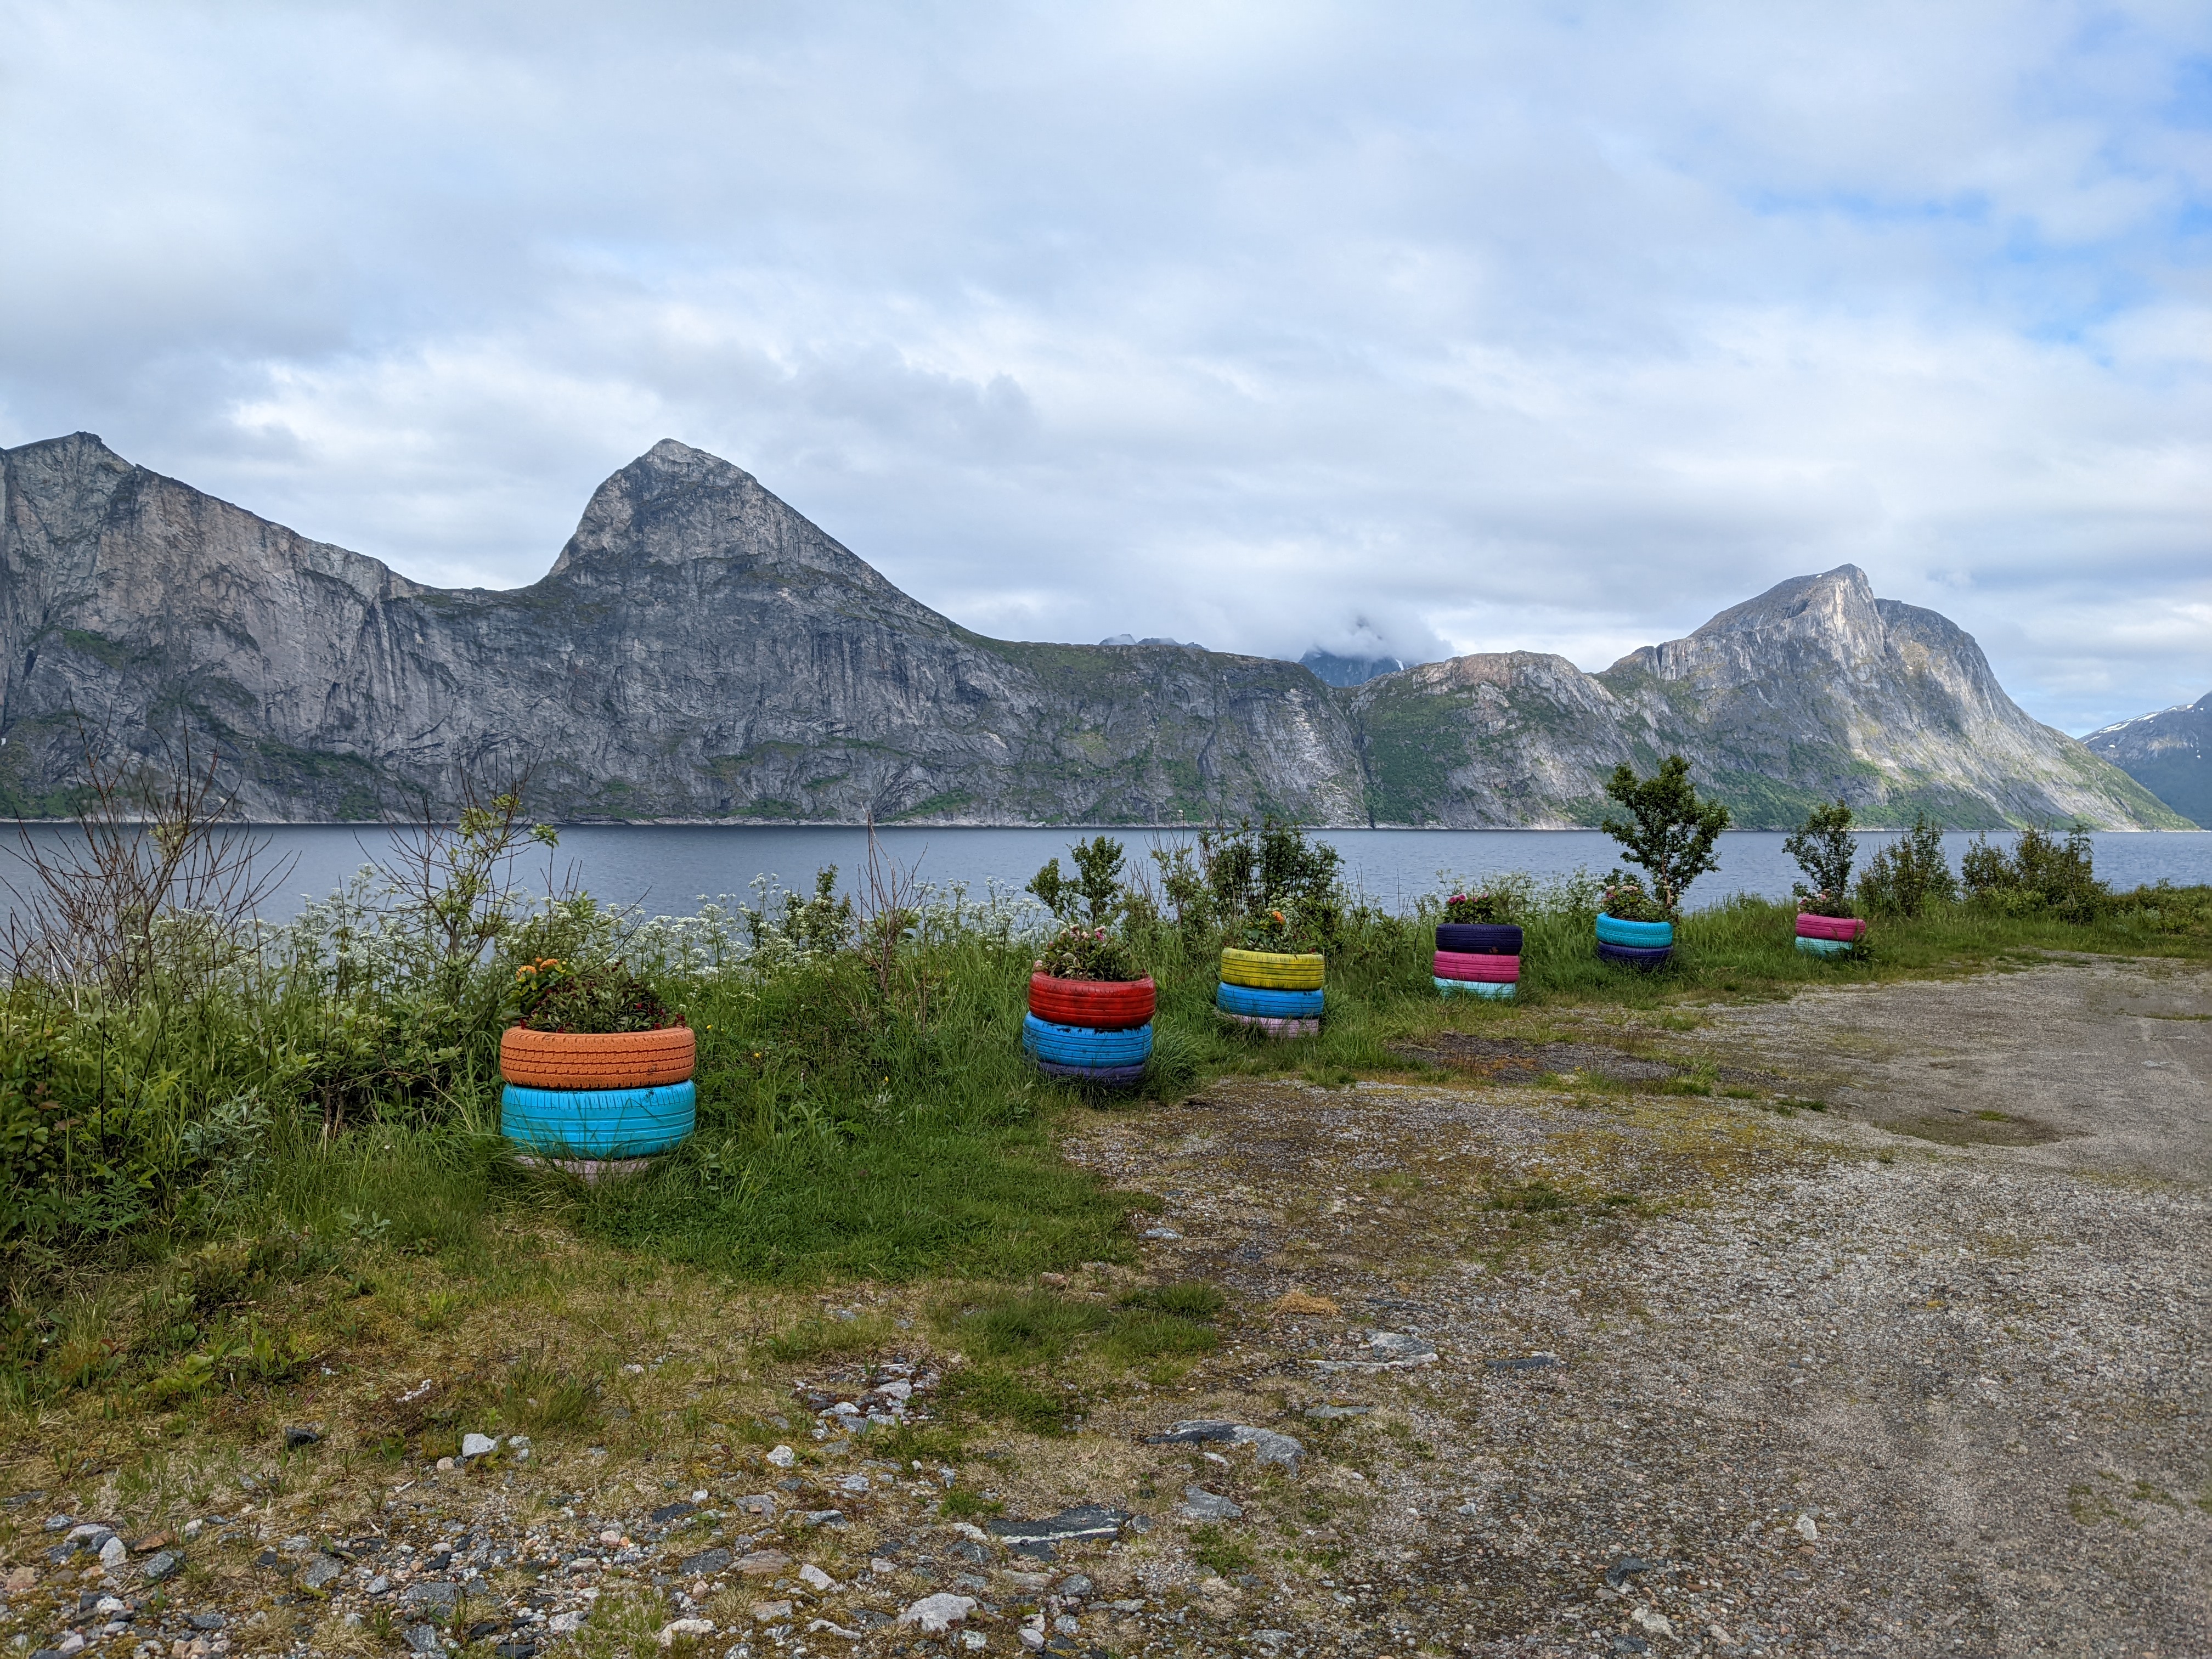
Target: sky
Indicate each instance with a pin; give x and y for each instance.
(1391, 329)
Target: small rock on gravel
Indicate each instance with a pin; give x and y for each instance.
(1084, 1521)
(705, 1562)
(937, 1613)
(423, 1638)
(1200, 1504)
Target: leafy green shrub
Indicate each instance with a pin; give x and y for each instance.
(2042, 873)
(1079, 952)
(553, 996)
(1669, 832)
(1486, 905)
(1908, 876)
(1626, 901)
(1825, 849)
(1095, 895)
(1234, 876)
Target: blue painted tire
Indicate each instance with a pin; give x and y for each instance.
(1474, 988)
(1080, 1046)
(1106, 1077)
(1631, 956)
(598, 1123)
(1481, 939)
(1267, 1005)
(1640, 935)
(1826, 947)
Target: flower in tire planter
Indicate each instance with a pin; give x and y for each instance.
(1825, 848)
(1477, 950)
(595, 1068)
(1275, 991)
(1091, 1013)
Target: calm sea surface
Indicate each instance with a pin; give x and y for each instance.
(668, 868)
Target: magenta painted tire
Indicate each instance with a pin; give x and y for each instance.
(1478, 967)
(1850, 929)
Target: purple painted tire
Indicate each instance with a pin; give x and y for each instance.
(1487, 938)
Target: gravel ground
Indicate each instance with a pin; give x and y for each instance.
(1569, 1363)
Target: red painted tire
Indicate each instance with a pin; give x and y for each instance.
(1100, 1005)
(1478, 968)
(1850, 929)
(609, 1060)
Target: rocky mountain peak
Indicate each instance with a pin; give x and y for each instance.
(678, 505)
(1839, 601)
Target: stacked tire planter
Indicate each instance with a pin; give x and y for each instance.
(1644, 944)
(1097, 1031)
(598, 1102)
(1829, 936)
(1478, 958)
(1272, 992)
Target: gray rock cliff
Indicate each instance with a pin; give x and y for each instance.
(700, 651)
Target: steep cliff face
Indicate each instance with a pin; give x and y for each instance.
(1812, 690)
(699, 650)
(2169, 753)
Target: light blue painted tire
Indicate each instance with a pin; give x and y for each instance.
(1267, 1005)
(1639, 935)
(1078, 1045)
(1826, 947)
(1474, 988)
(598, 1123)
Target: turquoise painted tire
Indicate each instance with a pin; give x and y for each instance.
(1268, 1005)
(1638, 935)
(1078, 1045)
(1474, 988)
(1826, 947)
(598, 1123)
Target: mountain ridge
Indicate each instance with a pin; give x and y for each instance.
(700, 651)
(2168, 752)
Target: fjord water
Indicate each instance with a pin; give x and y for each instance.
(667, 868)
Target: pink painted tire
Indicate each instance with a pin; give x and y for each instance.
(1850, 929)
(1481, 969)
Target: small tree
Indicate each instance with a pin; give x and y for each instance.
(1669, 832)
(1825, 848)
(1907, 876)
(1097, 885)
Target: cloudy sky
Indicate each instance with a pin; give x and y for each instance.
(1424, 328)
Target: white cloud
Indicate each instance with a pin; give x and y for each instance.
(1430, 328)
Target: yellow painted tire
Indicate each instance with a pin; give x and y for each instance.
(1268, 970)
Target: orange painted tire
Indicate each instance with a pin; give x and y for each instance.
(1102, 1004)
(589, 1060)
